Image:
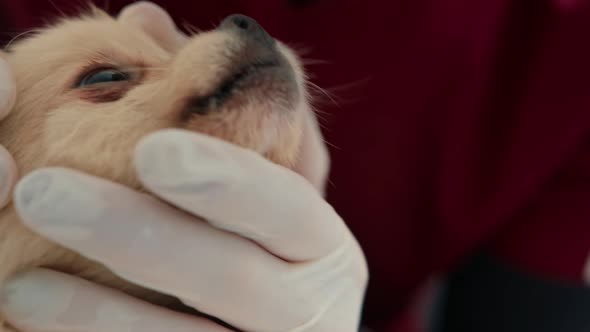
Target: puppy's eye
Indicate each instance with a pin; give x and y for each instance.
(103, 76)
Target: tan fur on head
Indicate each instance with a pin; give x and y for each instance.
(95, 128)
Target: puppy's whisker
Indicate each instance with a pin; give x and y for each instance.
(300, 49)
(320, 118)
(60, 12)
(13, 32)
(323, 92)
(321, 113)
(75, 7)
(106, 5)
(332, 145)
(22, 34)
(191, 29)
(351, 85)
(214, 25)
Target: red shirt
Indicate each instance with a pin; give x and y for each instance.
(461, 126)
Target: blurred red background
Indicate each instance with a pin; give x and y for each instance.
(461, 127)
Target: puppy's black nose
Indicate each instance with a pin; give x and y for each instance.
(248, 28)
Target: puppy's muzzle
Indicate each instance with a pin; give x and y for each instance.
(257, 65)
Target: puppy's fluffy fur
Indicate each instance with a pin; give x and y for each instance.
(95, 128)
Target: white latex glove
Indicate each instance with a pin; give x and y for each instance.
(272, 255)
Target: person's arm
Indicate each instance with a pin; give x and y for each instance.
(534, 277)
(528, 273)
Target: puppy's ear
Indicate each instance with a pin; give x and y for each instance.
(155, 21)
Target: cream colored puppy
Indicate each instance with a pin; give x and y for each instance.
(90, 87)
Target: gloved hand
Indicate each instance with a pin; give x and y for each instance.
(8, 171)
(269, 253)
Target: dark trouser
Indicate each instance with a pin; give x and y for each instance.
(486, 296)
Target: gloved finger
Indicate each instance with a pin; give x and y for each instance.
(8, 176)
(237, 190)
(47, 301)
(313, 162)
(156, 22)
(152, 244)
(7, 88)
